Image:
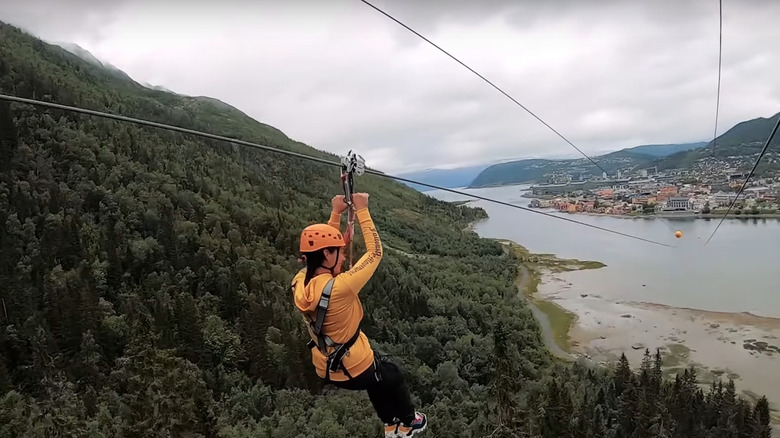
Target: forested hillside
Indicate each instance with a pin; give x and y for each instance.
(539, 170)
(664, 150)
(144, 281)
(535, 169)
(745, 139)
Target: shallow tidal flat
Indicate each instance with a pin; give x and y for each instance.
(740, 346)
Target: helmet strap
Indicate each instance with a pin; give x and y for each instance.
(332, 268)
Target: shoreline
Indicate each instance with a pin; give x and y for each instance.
(673, 216)
(471, 225)
(719, 345)
(583, 325)
(555, 321)
(578, 325)
(687, 215)
(707, 216)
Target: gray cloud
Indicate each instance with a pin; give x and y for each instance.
(339, 76)
(55, 20)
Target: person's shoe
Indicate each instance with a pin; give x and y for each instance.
(391, 429)
(418, 425)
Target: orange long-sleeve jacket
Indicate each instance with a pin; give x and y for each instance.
(344, 310)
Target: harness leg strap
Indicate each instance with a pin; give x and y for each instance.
(335, 359)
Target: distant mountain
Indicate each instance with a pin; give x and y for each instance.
(745, 138)
(449, 178)
(538, 170)
(664, 150)
(517, 172)
(534, 169)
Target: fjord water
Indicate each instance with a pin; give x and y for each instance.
(738, 271)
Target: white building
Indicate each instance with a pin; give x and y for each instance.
(679, 203)
(726, 198)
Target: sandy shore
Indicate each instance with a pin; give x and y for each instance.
(741, 346)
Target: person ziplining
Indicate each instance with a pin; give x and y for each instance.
(329, 301)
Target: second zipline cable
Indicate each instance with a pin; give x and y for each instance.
(303, 156)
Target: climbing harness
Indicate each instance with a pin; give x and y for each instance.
(351, 165)
(324, 342)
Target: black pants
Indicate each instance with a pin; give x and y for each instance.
(386, 388)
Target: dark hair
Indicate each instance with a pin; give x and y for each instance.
(314, 261)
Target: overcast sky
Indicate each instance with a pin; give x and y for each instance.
(338, 75)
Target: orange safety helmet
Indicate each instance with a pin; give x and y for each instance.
(319, 236)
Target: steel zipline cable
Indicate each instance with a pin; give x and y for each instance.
(489, 83)
(720, 68)
(302, 156)
(715, 134)
(717, 99)
(744, 184)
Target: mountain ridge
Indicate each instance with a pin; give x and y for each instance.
(464, 176)
(742, 139)
(661, 156)
(534, 169)
(662, 150)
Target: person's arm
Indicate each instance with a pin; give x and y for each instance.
(361, 272)
(335, 220)
(338, 207)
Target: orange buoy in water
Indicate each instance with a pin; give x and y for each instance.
(678, 234)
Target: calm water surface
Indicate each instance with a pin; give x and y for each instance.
(739, 270)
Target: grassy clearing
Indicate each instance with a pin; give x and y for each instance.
(678, 355)
(532, 285)
(669, 373)
(548, 261)
(674, 361)
(561, 320)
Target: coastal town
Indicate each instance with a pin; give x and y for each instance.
(708, 188)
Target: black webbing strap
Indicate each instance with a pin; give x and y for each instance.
(322, 308)
(335, 358)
